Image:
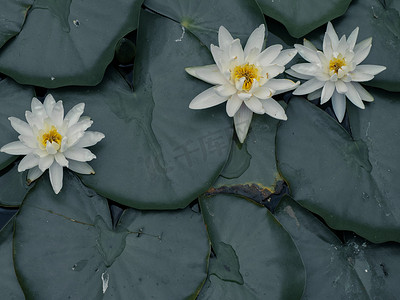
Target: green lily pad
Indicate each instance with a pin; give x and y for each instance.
(203, 18)
(355, 269)
(255, 258)
(68, 240)
(15, 99)
(302, 16)
(381, 21)
(16, 186)
(9, 286)
(251, 168)
(161, 154)
(12, 18)
(68, 42)
(350, 181)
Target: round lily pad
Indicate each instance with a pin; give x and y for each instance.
(350, 181)
(68, 240)
(255, 258)
(68, 42)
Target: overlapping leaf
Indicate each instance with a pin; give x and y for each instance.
(350, 181)
(13, 185)
(255, 258)
(68, 42)
(355, 269)
(148, 255)
(302, 16)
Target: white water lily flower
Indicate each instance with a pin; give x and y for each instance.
(335, 73)
(50, 141)
(244, 78)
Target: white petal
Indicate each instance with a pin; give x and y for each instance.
(309, 87)
(327, 46)
(210, 74)
(298, 75)
(28, 141)
(268, 55)
(16, 148)
(360, 55)
(56, 177)
(327, 91)
(360, 77)
(262, 92)
(256, 40)
(362, 45)
(225, 90)
(281, 85)
(20, 126)
(79, 127)
(61, 160)
(242, 120)
(354, 96)
(274, 109)
(236, 52)
(307, 53)
(306, 68)
(33, 120)
(272, 71)
(339, 105)
(57, 114)
(38, 108)
(364, 94)
(254, 105)
(74, 114)
(314, 95)
(233, 105)
(89, 138)
(80, 167)
(244, 95)
(29, 161)
(284, 57)
(309, 45)
(217, 54)
(342, 46)
(341, 87)
(206, 99)
(370, 69)
(351, 41)
(51, 148)
(79, 154)
(45, 162)
(332, 35)
(33, 174)
(224, 37)
(49, 103)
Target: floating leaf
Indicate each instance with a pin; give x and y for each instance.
(349, 181)
(15, 186)
(255, 257)
(355, 269)
(68, 42)
(302, 16)
(68, 240)
(161, 154)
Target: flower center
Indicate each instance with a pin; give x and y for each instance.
(249, 72)
(336, 63)
(52, 136)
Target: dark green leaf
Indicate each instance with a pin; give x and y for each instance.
(302, 16)
(15, 99)
(160, 153)
(12, 17)
(356, 269)
(203, 18)
(255, 256)
(68, 42)
(9, 286)
(350, 182)
(68, 240)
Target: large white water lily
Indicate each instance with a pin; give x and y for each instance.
(51, 141)
(244, 78)
(335, 72)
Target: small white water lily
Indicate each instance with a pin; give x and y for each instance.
(50, 141)
(335, 73)
(244, 78)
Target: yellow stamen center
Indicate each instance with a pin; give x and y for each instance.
(52, 136)
(336, 63)
(249, 72)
